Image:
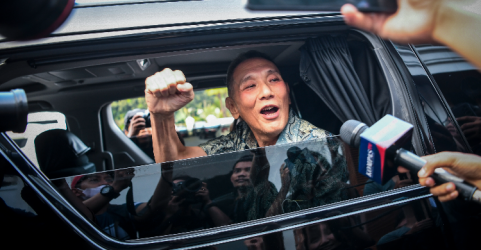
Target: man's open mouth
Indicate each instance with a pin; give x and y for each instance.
(270, 112)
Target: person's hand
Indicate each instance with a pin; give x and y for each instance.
(203, 193)
(413, 22)
(167, 91)
(471, 127)
(137, 123)
(173, 206)
(465, 166)
(285, 176)
(122, 179)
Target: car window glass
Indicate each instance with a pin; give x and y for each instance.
(460, 84)
(224, 189)
(37, 123)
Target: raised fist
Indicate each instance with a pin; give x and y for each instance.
(167, 91)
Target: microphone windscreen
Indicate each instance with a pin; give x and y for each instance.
(350, 132)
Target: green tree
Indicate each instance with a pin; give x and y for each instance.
(205, 103)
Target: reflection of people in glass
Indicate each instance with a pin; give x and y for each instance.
(182, 214)
(240, 179)
(255, 202)
(253, 194)
(315, 178)
(97, 190)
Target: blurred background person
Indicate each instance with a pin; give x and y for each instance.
(138, 128)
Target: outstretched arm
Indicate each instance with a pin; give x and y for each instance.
(166, 92)
(452, 23)
(122, 180)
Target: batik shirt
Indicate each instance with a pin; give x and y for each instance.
(242, 138)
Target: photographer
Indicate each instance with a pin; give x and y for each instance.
(185, 210)
(138, 128)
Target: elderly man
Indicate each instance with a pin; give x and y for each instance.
(257, 94)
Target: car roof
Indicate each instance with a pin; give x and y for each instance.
(100, 19)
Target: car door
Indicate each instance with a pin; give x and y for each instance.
(352, 219)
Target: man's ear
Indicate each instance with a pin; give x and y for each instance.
(230, 104)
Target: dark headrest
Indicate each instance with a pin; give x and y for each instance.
(60, 153)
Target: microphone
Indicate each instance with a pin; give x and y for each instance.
(381, 151)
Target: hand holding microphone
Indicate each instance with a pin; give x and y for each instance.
(466, 166)
(381, 151)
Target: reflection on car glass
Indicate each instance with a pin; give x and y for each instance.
(223, 189)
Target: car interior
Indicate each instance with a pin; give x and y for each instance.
(83, 94)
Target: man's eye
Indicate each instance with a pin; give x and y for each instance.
(250, 86)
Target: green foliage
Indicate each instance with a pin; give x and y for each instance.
(205, 103)
(120, 108)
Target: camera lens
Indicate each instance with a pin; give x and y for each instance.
(13, 111)
(147, 119)
(187, 189)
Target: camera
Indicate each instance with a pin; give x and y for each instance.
(187, 190)
(13, 111)
(146, 117)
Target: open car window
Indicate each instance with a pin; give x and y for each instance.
(225, 189)
(206, 117)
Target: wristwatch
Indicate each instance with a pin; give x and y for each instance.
(109, 192)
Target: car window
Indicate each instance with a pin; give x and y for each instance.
(227, 189)
(204, 118)
(37, 123)
(460, 84)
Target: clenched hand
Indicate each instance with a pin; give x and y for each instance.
(167, 91)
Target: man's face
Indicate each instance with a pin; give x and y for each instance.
(96, 180)
(241, 175)
(260, 97)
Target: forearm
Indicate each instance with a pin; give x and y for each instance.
(218, 217)
(162, 193)
(96, 203)
(99, 201)
(166, 143)
(276, 207)
(457, 26)
(75, 201)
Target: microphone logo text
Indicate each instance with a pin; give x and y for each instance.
(370, 156)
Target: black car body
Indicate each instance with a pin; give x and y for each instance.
(83, 67)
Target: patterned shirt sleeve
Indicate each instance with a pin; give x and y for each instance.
(222, 144)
